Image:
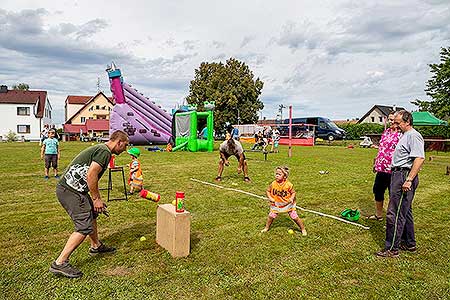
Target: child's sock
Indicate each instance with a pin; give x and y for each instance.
(304, 233)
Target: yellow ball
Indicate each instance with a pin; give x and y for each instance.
(290, 231)
(143, 238)
(174, 202)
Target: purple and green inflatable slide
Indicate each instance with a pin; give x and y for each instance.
(145, 122)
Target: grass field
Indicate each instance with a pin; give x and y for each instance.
(230, 258)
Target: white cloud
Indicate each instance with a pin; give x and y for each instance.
(333, 58)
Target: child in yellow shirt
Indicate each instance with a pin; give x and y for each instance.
(136, 179)
(281, 194)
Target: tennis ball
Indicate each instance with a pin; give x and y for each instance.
(290, 231)
(92, 144)
(143, 238)
(174, 202)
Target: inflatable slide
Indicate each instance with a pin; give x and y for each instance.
(145, 122)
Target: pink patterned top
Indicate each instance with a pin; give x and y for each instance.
(388, 141)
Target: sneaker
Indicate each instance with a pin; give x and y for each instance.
(57, 176)
(46, 177)
(405, 247)
(65, 269)
(102, 249)
(387, 253)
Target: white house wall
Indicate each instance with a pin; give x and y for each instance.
(10, 120)
(376, 114)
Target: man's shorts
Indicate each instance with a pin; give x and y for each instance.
(51, 159)
(382, 182)
(227, 156)
(79, 207)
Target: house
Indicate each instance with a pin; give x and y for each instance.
(24, 113)
(88, 115)
(378, 114)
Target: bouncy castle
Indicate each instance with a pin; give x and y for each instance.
(145, 122)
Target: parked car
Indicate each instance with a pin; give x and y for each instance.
(325, 128)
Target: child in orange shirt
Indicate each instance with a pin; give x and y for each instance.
(136, 179)
(281, 194)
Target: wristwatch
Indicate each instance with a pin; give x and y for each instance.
(408, 180)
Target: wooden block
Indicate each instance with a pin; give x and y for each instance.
(173, 230)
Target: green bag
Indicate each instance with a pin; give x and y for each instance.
(351, 214)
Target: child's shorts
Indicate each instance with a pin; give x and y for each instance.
(293, 214)
(51, 160)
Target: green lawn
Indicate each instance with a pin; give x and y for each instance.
(230, 258)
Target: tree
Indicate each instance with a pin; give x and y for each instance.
(233, 89)
(438, 88)
(21, 87)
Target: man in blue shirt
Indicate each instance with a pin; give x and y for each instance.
(50, 153)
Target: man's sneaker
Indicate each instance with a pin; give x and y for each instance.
(57, 176)
(405, 247)
(387, 253)
(65, 269)
(101, 250)
(46, 177)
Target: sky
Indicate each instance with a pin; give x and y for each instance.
(333, 58)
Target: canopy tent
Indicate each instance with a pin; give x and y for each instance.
(425, 118)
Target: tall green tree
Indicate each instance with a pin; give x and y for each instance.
(233, 88)
(438, 88)
(21, 87)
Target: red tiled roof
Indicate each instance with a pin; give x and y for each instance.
(97, 125)
(71, 99)
(26, 97)
(91, 124)
(77, 99)
(71, 128)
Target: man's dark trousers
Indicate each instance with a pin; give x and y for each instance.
(399, 218)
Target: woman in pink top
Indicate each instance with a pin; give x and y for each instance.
(382, 166)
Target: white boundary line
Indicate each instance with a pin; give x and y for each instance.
(265, 198)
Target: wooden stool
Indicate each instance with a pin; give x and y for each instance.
(173, 230)
(110, 185)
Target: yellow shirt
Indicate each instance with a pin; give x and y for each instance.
(281, 193)
(136, 177)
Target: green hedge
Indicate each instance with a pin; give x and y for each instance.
(434, 131)
(356, 131)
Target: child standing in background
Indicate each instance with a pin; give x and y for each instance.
(136, 179)
(281, 194)
(50, 153)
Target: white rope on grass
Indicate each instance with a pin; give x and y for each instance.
(265, 198)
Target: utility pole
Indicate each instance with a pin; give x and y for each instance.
(280, 109)
(98, 85)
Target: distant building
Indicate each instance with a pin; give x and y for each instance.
(88, 115)
(24, 112)
(378, 114)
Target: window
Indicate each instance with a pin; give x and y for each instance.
(97, 107)
(373, 119)
(322, 125)
(83, 119)
(23, 111)
(381, 119)
(23, 128)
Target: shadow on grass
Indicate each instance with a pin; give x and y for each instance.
(377, 228)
